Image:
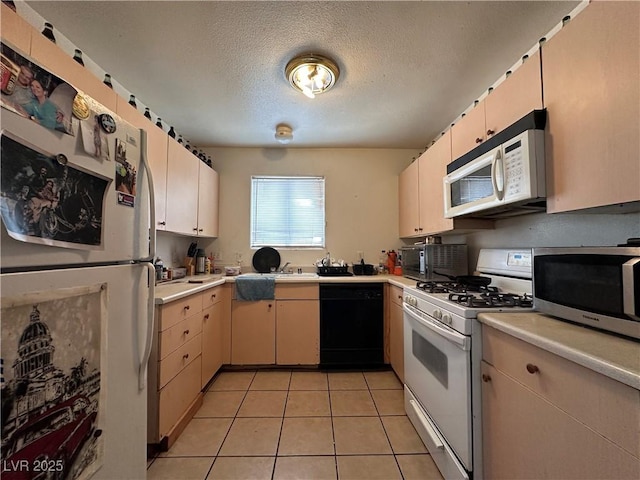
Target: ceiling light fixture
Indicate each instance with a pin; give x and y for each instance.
(312, 74)
(284, 133)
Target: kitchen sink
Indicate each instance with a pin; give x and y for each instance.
(280, 276)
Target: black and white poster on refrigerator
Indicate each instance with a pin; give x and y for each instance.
(44, 200)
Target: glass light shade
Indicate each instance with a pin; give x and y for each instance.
(312, 74)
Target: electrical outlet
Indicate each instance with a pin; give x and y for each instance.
(360, 255)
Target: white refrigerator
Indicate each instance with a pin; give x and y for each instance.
(76, 283)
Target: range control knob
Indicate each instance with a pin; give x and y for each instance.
(437, 314)
(446, 318)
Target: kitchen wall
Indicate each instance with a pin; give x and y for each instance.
(557, 230)
(361, 192)
(362, 209)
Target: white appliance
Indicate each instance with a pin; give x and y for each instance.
(76, 364)
(443, 351)
(503, 177)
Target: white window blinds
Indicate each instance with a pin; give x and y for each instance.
(287, 212)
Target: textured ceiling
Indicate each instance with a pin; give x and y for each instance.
(215, 70)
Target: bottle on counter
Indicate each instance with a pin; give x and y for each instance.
(147, 113)
(159, 123)
(172, 133)
(207, 265)
(200, 261)
(132, 101)
(392, 258)
(159, 266)
(107, 80)
(382, 261)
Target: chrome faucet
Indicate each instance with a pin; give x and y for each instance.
(282, 270)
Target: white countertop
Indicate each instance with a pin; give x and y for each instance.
(176, 289)
(610, 355)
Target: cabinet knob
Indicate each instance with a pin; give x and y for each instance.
(415, 229)
(400, 297)
(486, 378)
(270, 305)
(186, 332)
(531, 368)
(478, 140)
(185, 356)
(420, 229)
(186, 307)
(206, 317)
(195, 229)
(162, 223)
(490, 132)
(200, 229)
(213, 295)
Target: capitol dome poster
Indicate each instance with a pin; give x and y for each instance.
(52, 371)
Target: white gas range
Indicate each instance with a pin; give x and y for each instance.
(443, 351)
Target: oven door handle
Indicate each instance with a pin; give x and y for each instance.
(452, 336)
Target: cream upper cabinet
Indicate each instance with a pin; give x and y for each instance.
(591, 78)
(408, 201)
(192, 193)
(16, 32)
(182, 189)
(156, 155)
(427, 203)
(208, 187)
(516, 96)
(469, 131)
(60, 63)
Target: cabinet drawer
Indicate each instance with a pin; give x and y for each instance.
(212, 296)
(176, 397)
(609, 407)
(175, 312)
(178, 359)
(178, 335)
(395, 294)
(308, 291)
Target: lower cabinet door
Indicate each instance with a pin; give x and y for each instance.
(524, 436)
(253, 333)
(211, 341)
(297, 332)
(177, 395)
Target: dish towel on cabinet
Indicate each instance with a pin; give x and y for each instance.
(255, 288)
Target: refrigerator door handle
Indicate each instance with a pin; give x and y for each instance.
(144, 163)
(142, 370)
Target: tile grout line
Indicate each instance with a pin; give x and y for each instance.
(215, 458)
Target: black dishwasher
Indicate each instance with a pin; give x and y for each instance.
(351, 325)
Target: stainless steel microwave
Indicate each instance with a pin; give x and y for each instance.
(595, 286)
(503, 177)
(435, 261)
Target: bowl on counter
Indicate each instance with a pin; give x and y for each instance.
(231, 271)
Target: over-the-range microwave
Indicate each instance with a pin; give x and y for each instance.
(503, 177)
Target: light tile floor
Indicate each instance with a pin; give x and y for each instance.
(281, 424)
